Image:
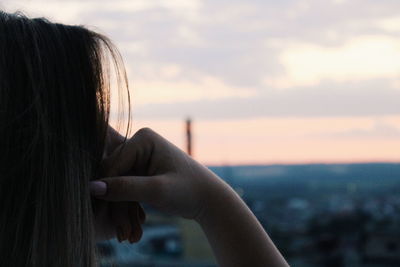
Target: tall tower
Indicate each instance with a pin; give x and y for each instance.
(189, 136)
(195, 245)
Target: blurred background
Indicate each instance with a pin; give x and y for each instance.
(295, 103)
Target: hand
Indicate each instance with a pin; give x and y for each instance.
(149, 168)
(117, 219)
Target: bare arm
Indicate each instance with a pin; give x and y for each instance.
(234, 233)
(173, 182)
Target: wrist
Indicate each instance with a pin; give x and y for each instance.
(217, 196)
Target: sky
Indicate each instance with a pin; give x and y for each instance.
(264, 81)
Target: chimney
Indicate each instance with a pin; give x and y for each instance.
(189, 136)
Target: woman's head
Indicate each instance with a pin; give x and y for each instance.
(54, 109)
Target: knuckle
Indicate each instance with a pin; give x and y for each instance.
(160, 187)
(144, 132)
(124, 185)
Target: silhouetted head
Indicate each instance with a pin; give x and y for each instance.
(54, 111)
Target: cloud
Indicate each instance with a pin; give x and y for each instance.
(233, 56)
(164, 91)
(390, 24)
(364, 98)
(364, 57)
(380, 130)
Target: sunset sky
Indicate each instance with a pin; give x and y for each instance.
(264, 81)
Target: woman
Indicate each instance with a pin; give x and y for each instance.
(55, 139)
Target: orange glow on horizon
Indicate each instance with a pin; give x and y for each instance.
(286, 140)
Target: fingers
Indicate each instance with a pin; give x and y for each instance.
(135, 154)
(136, 228)
(122, 159)
(129, 188)
(120, 217)
(125, 216)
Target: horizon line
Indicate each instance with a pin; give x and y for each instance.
(332, 162)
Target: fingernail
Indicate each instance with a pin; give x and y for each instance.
(98, 188)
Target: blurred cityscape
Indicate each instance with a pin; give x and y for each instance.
(318, 215)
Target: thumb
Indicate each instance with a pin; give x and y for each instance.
(128, 188)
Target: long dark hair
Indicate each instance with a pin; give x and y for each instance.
(54, 112)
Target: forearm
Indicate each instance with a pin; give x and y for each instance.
(175, 183)
(234, 233)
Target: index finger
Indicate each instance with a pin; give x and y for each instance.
(131, 188)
